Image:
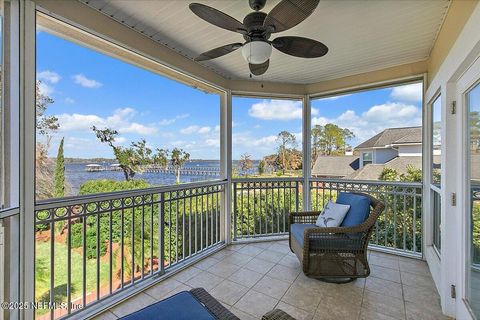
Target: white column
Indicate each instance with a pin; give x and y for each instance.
(27, 153)
(226, 164)
(306, 131)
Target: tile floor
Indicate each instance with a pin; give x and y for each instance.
(252, 279)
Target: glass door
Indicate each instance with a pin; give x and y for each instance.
(472, 99)
(435, 170)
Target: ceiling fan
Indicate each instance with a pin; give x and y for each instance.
(257, 28)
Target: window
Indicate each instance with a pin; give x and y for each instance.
(367, 158)
(436, 141)
(105, 125)
(266, 137)
(379, 126)
(435, 176)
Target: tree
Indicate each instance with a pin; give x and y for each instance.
(245, 163)
(261, 167)
(389, 174)
(177, 158)
(285, 140)
(329, 140)
(129, 159)
(59, 184)
(474, 120)
(161, 158)
(46, 126)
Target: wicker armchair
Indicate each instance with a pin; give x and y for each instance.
(334, 254)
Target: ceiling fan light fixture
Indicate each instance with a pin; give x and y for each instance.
(256, 52)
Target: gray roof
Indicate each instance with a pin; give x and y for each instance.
(392, 136)
(399, 164)
(335, 166)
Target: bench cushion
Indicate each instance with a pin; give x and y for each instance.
(359, 208)
(182, 306)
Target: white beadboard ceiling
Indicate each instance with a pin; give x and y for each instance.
(362, 35)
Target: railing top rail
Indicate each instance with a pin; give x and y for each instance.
(286, 179)
(10, 212)
(75, 200)
(370, 182)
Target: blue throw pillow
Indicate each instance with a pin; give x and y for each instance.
(359, 208)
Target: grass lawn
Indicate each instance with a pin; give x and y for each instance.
(42, 273)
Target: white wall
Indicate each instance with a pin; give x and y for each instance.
(454, 215)
(410, 150)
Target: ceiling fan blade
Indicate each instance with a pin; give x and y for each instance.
(288, 13)
(218, 52)
(259, 69)
(300, 47)
(216, 17)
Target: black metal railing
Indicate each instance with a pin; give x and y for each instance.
(91, 247)
(261, 207)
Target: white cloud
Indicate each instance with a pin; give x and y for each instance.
(48, 76)
(69, 100)
(83, 81)
(45, 89)
(120, 120)
(276, 110)
(195, 129)
(375, 119)
(409, 92)
(166, 122)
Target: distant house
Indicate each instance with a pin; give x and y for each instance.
(395, 148)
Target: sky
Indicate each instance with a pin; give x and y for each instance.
(90, 88)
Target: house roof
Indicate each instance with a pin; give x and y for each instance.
(393, 136)
(337, 166)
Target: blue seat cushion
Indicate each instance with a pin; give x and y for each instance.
(359, 208)
(182, 306)
(339, 242)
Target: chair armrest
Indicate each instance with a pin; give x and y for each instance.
(305, 217)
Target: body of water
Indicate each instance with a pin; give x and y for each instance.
(76, 175)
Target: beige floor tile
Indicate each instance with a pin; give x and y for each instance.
(348, 294)
(106, 316)
(262, 245)
(381, 260)
(229, 292)
(423, 312)
(367, 314)
(256, 303)
(133, 304)
(272, 287)
(242, 315)
(187, 274)
(238, 258)
(158, 291)
(313, 284)
(391, 306)
(251, 250)
(283, 273)
(332, 308)
(245, 277)
(414, 266)
(272, 256)
(384, 287)
(302, 298)
(206, 263)
(234, 247)
(384, 273)
(420, 295)
(259, 265)
(290, 261)
(416, 280)
(180, 288)
(204, 280)
(295, 312)
(222, 254)
(223, 269)
(280, 248)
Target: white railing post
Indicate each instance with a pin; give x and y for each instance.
(306, 131)
(226, 165)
